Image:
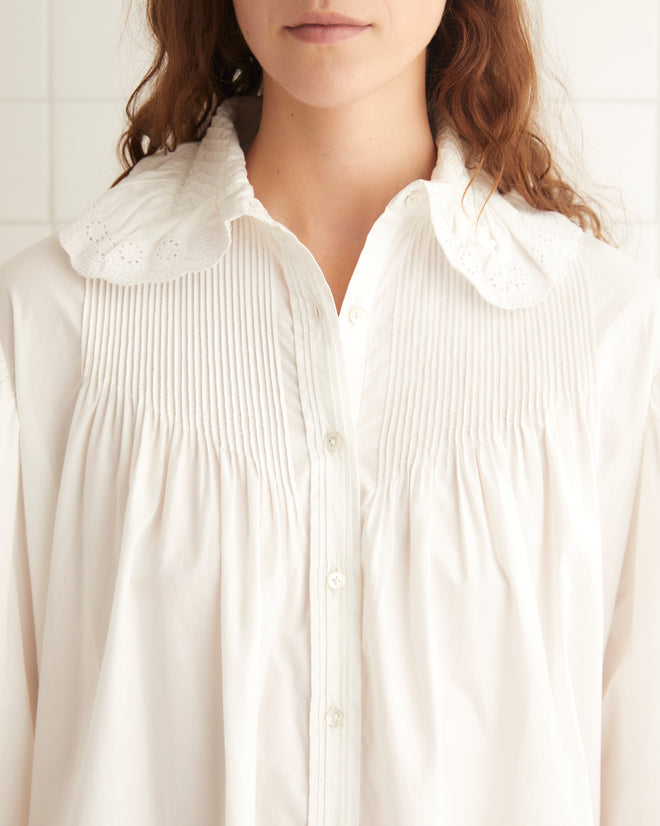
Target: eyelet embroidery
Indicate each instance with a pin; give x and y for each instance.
(168, 251)
(131, 253)
(513, 256)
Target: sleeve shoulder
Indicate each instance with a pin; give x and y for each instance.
(18, 661)
(625, 300)
(631, 678)
(623, 293)
(41, 276)
(40, 303)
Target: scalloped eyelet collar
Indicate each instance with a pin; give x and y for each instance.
(173, 215)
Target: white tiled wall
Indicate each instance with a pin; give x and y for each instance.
(608, 56)
(66, 70)
(67, 67)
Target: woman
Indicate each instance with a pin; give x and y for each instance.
(331, 449)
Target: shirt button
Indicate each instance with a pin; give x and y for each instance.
(334, 717)
(356, 314)
(332, 442)
(413, 199)
(336, 580)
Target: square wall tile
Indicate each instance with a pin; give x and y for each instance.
(621, 152)
(609, 151)
(24, 162)
(16, 237)
(608, 50)
(135, 51)
(23, 49)
(85, 163)
(85, 38)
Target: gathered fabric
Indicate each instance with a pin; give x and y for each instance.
(265, 564)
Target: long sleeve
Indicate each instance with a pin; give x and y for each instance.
(630, 791)
(17, 639)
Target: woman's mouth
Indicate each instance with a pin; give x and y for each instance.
(325, 28)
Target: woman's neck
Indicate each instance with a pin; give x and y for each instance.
(325, 172)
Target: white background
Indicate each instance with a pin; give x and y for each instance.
(68, 66)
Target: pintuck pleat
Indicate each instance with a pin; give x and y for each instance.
(200, 352)
(462, 370)
(203, 353)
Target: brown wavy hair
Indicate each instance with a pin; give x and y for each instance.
(481, 78)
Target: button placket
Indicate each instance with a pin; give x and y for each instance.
(340, 714)
(335, 653)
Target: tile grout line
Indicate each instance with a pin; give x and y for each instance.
(657, 140)
(50, 63)
(618, 101)
(17, 222)
(28, 101)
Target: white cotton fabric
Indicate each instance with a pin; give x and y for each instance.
(263, 564)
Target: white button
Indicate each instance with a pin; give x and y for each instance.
(356, 314)
(332, 442)
(336, 580)
(413, 199)
(334, 717)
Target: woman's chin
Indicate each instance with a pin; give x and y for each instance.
(335, 90)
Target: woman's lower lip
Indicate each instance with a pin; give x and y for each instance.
(315, 33)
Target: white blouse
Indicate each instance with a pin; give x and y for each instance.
(263, 564)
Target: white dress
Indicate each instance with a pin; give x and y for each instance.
(262, 564)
